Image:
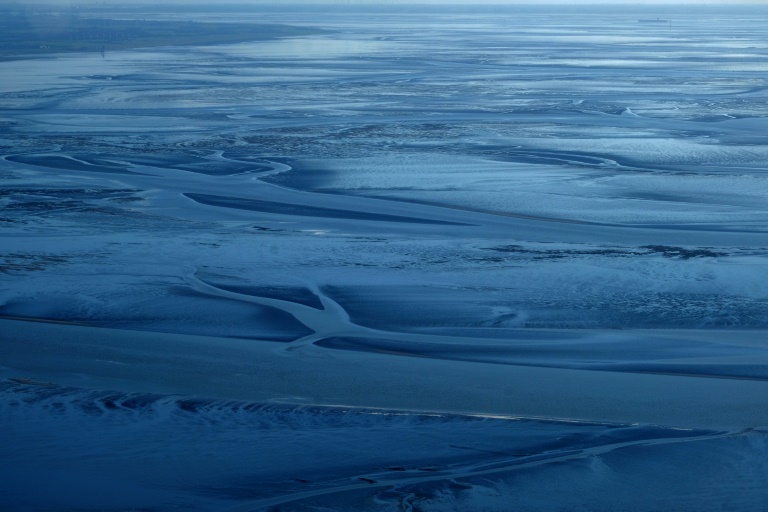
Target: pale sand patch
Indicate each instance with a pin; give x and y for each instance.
(228, 368)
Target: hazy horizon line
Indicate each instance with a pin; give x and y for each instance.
(635, 3)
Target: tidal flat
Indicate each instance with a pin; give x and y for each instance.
(416, 258)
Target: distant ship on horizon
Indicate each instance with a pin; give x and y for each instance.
(657, 20)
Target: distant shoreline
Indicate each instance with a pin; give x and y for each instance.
(24, 37)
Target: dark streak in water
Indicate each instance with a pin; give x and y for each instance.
(290, 294)
(72, 164)
(258, 205)
(546, 357)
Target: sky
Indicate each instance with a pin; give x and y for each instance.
(389, 2)
(510, 2)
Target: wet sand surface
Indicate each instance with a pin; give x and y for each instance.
(421, 261)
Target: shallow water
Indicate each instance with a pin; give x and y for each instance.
(517, 213)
